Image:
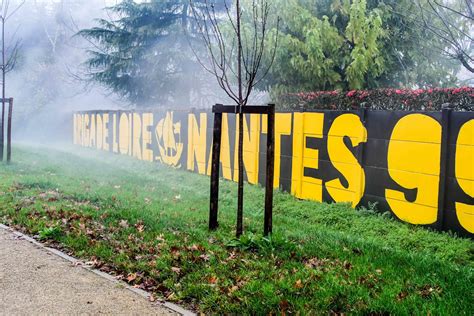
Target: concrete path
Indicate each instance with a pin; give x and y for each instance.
(34, 281)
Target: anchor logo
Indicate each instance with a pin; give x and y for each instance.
(170, 144)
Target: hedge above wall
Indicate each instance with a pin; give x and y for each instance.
(461, 99)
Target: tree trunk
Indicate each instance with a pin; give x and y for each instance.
(240, 199)
(240, 202)
(465, 63)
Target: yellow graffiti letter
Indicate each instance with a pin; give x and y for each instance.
(465, 173)
(251, 148)
(100, 131)
(197, 144)
(124, 134)
(114, 134)
(346, 125)
(137, 135)
(105, 133)
(282, 127)
(414, 155)
(306, 126)
(146, 135)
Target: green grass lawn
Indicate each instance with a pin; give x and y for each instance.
(147, 224)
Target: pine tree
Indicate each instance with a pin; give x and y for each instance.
(144, 54)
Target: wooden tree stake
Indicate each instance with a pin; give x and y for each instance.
(9, 130)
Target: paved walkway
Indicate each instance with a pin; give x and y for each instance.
(35, 282)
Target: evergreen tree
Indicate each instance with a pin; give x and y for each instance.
(144, 54)
(355, 44)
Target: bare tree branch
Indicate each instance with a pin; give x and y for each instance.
(456, 42)
(468, 5)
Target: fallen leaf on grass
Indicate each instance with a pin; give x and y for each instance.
(89, 232)
(212, 280)
(233, 289)
(106, 269)
(426, 291)
(284, 305)
(171, 296)
(298, 284)
(232, 256)
(347, 265)
(370, 281)
(140, 227)
(124, 223)
(131, 277)
(194, 247)
(175, 253)
(93, 263)
(315, 263)
(176, 270)
(401, 296)
(205, 257)
(104, 216)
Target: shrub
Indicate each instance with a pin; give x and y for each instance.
(461, 99)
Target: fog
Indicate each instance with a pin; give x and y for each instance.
(45, 84)
(49, 81)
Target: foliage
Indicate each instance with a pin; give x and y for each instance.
(147, 225)
(357, 44)
(461, 99)
(143, 54)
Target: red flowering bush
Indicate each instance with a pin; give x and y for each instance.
(461, 99)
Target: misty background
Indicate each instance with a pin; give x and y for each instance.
(43, 84)
(51, 80)
(56, 73)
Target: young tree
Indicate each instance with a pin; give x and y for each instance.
(9, 58)
(236, 43)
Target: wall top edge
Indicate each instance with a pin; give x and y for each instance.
(278, 111)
